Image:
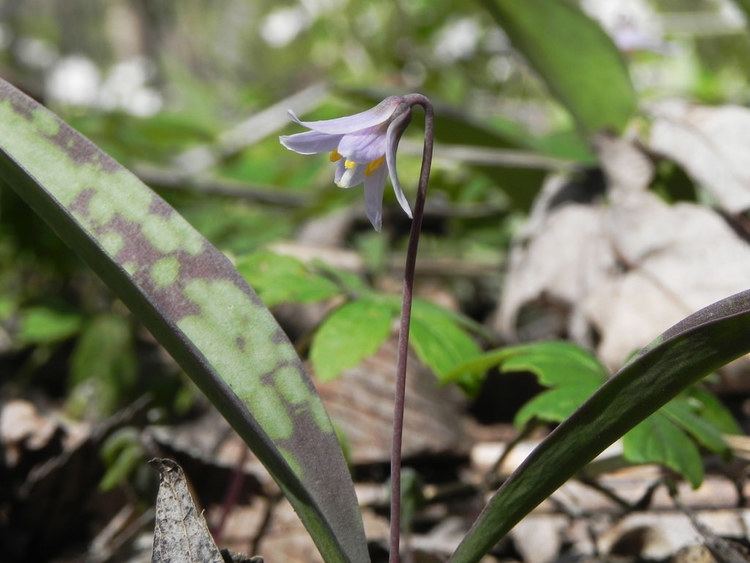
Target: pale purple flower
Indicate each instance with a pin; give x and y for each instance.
(363, 148)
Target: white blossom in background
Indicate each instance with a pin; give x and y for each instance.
(457, 40)
(36, 53)
(282, 25)
(125, 87)
(74, 80)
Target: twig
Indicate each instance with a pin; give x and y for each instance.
(231, 496)
(487, 156)
(490, 479)
(252, 130)
(179, 180)
(403, 337)
(271, 503)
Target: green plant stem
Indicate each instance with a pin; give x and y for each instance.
(403, 337)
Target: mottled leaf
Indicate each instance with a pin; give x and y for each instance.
(575, 58)
(195, 303)
(350, 334)
(691, 349)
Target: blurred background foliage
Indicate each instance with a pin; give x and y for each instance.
(166, 87)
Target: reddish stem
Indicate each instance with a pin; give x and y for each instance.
(403, 336)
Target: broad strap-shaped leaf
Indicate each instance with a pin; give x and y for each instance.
(576, 59)
(195, 303)
(682, 355)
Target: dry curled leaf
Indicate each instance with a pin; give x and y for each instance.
(181, 534)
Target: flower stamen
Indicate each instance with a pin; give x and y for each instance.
(349, 164)
(374, 165)
(335, 156)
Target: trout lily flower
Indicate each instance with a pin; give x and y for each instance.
(363, 149)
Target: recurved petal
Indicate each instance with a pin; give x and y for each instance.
(364, 146)
(310, 142)
(393, 136)
(374, 186)
(351, 123)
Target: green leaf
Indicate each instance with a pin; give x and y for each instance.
(555, 404)
(283, 279)
(658, 439)
(195, 303)
(7, 307)
(440, 342)
(711, 409)
(47, 325)
(350, 334)
(554, 363)
(683, 415)
(104, 359)
(576, 59)
(695, 347)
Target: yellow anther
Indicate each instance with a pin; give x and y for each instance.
(334, 156)
(349, 164)
(374, 165)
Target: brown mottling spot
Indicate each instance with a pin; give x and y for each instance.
(241, 342)
(267, 378)
(80, 204)
(160, 207)
(81, 150)
(279, 336)
(21, 104)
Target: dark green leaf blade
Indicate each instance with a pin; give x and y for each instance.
(196, 304)
(576, 59)
(693, 348)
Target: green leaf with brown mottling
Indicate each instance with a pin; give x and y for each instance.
(196, 304)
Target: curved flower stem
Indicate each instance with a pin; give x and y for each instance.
(403, 337)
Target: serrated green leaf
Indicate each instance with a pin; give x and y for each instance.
(555, 404)
(47, 325)
(195, 303)
(658, 439)
(711, 409)
(695, 347)
(554, 363)
(283, 279)
(576, 59)
(680, 412)
(439, 341)
(348, 335)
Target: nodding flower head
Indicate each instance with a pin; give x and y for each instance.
(363, 149)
